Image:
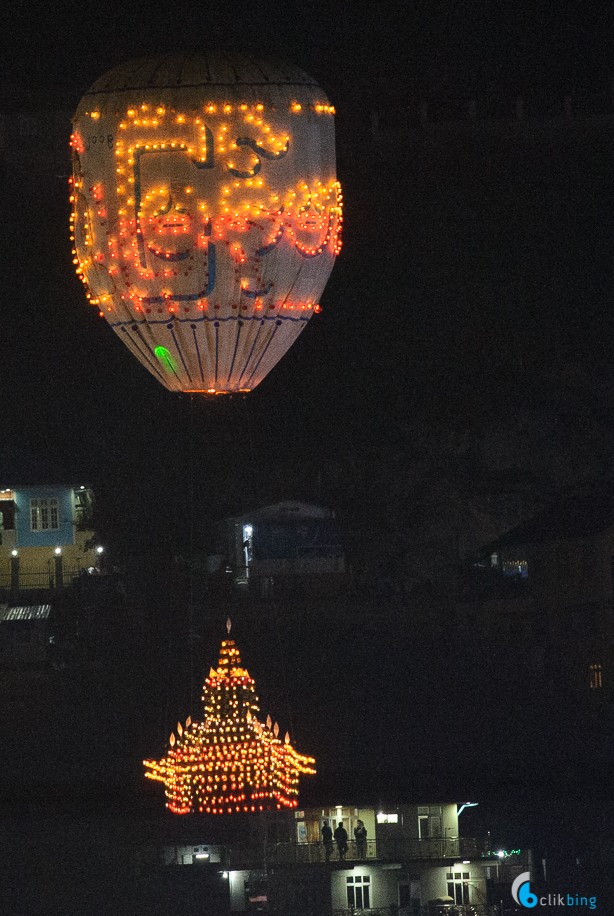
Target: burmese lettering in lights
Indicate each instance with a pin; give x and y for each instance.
(206, 213)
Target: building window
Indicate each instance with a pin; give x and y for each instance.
(359, 892)
(458, 886)
(44, 515)
(518, 568)
(83, 509)
(595, 676)
(430, 822)
(383, 818)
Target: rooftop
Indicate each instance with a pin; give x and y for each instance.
(24, 612)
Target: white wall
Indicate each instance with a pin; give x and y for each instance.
(236, 880)
(450, 820)
(184, 855)
(383, 886)
(435, 884)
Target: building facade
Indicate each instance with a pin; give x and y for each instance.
(413, 863)
(547, 586)
(284, 545)
(46, 535)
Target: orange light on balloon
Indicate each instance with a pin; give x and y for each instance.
(221, 217)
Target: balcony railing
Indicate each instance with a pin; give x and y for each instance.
(383, 849)
(321, 560)
(448, 909)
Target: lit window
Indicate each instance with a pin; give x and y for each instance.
(387, 818)
(359, 892)
(458, 886)
(516, 567)
(44, 515)
(595, 676)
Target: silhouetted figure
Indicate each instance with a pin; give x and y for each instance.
(327, 839)
(360, 835)
(341, 839)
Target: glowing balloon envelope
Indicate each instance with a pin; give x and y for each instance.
(206, 213)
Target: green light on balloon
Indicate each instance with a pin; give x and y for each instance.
(166, 359)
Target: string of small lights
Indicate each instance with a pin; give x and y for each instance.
(230, 762)
(206, 217)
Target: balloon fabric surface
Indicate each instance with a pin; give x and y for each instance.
(206, 213)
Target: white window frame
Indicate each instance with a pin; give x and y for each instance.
(358, 886)
(384, 817)
(44, 514)
(430, 822)
(459, 883)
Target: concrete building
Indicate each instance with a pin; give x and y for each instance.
(547, 586)
(414, 862)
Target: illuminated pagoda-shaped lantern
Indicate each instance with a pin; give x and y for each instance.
(230, 762)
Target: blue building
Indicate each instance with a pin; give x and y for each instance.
(284, 546)
(46, 535)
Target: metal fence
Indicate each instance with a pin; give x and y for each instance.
(39, 578)
(383, 849)
(428, 909)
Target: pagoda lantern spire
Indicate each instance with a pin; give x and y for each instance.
(229, 762)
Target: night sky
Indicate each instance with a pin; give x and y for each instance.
(459, 267)
(473, 280)
(440, 259)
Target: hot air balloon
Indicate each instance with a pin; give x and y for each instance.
(206, 213)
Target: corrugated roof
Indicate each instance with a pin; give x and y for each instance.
(24, 612)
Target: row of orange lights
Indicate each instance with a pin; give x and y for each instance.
(223, 107)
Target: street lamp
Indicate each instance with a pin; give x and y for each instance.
(466, 805)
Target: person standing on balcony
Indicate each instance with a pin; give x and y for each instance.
(341, 839)
(360, 835)
(327, 839)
